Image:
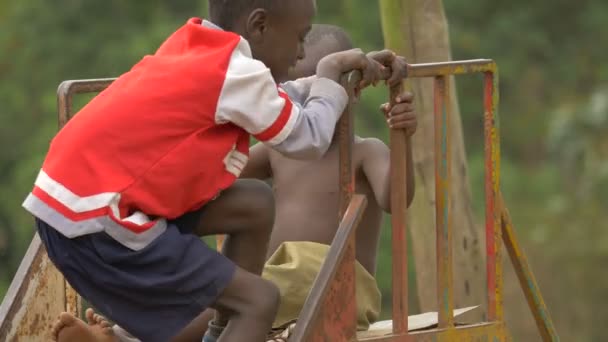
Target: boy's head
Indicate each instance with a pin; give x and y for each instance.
(275, 29)
(322, 40)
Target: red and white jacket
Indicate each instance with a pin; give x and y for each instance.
(167, 136)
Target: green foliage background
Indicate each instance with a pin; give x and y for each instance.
(554, 112)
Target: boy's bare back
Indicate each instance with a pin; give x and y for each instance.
(307, 196)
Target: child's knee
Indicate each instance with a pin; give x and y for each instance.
(259, 201)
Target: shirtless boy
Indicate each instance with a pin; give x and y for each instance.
(307, 192)
(151, 164)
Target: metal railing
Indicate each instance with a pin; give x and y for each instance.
(334, 285)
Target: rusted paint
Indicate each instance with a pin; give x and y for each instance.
(493, 230)
(73, 302)
(483, 332)
(346, 138)
(526, 278)
(451, 68)
(34, 299)
(445, 287)
(496, 188)
(329, 312)
(398, 142)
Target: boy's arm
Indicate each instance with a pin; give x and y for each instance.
(258, 165)
(377, 169)
(250, 99)
(298, 90)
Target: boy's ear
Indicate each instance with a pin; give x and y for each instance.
(257, 24)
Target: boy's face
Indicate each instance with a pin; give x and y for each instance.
(278, 42)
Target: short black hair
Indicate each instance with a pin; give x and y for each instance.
(224, 12)
(319, 31)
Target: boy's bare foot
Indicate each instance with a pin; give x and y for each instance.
(68, 328)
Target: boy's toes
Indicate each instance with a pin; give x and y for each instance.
(90, 316)
(64, 320)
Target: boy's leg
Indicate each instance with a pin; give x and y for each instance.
(99, 267)
(245, 213)
(252, 303)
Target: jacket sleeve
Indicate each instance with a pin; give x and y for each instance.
(300, 127)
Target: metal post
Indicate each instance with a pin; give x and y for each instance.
(445, 287)
(346, 138)
(492, 185)
(398, 220)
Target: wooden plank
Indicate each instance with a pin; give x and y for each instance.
(482, 332)
(329, 312)
(526, 278)
(445, 296)
(34, 299)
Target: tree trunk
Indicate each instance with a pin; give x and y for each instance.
(418, 30)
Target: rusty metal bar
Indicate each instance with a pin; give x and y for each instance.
(68, 89)
(445, 286)
(492, 186)
(398, 142)
(334, 288)
(346, 139)
(65, 94)
(335, 284)
(526, 278)
(451, 68)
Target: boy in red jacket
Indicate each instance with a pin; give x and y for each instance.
(151, 164)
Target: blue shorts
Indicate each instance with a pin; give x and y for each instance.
(152, 293)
